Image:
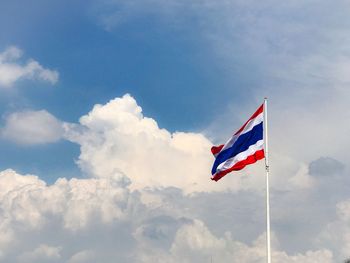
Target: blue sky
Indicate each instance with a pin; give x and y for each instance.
(198, 69)
(166, 65)
(161, 66)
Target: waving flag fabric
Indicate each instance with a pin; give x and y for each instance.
(245, 147)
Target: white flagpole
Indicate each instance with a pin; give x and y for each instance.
(266, 149)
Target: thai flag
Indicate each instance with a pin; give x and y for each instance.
(245, 147)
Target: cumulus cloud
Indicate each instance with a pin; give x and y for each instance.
(36, 201)
(89, 220)
(116, 137)
(50, 219)
(195, 243)
(32, 127)
(11, 70)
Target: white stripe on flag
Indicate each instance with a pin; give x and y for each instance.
(259, 145)
(250, 125)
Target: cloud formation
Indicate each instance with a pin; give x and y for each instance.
(11, 70)
(32, 127)
(123, 149)
(84, 220)
(149, 197)
(117, 138)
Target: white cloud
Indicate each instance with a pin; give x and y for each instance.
(161, 181)
(195, 243)
(302, 179)
(336, 234)
(11, 70)
(32, 127)
(84, 256)
(89, 220)
(117, 138)
(43, 253)
(48, 222)
(29, 201)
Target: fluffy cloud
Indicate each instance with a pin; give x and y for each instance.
(116, 137)
(32, 127)
(195, 243)
(89, 220)
(31, 202)
(11, 70)
(50, 219)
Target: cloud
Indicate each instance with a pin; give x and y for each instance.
(84, 256)
(288, 52)
(117, 138)
(161, 180)
(195, 243)
(84, 220)
(52, 220)
(11, 70)
(302, 179)
(43, 253)
(32, 127)
(337, 233)
(326, 166)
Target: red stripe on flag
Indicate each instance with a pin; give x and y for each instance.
(258, 111)
(216, 149)
(258, 155)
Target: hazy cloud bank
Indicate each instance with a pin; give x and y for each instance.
(84, 220)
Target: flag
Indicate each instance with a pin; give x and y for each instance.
(245, 147)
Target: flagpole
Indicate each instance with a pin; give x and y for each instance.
(266, 149)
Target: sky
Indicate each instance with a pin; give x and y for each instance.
(109, 108)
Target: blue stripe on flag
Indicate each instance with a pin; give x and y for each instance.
(242, 144)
